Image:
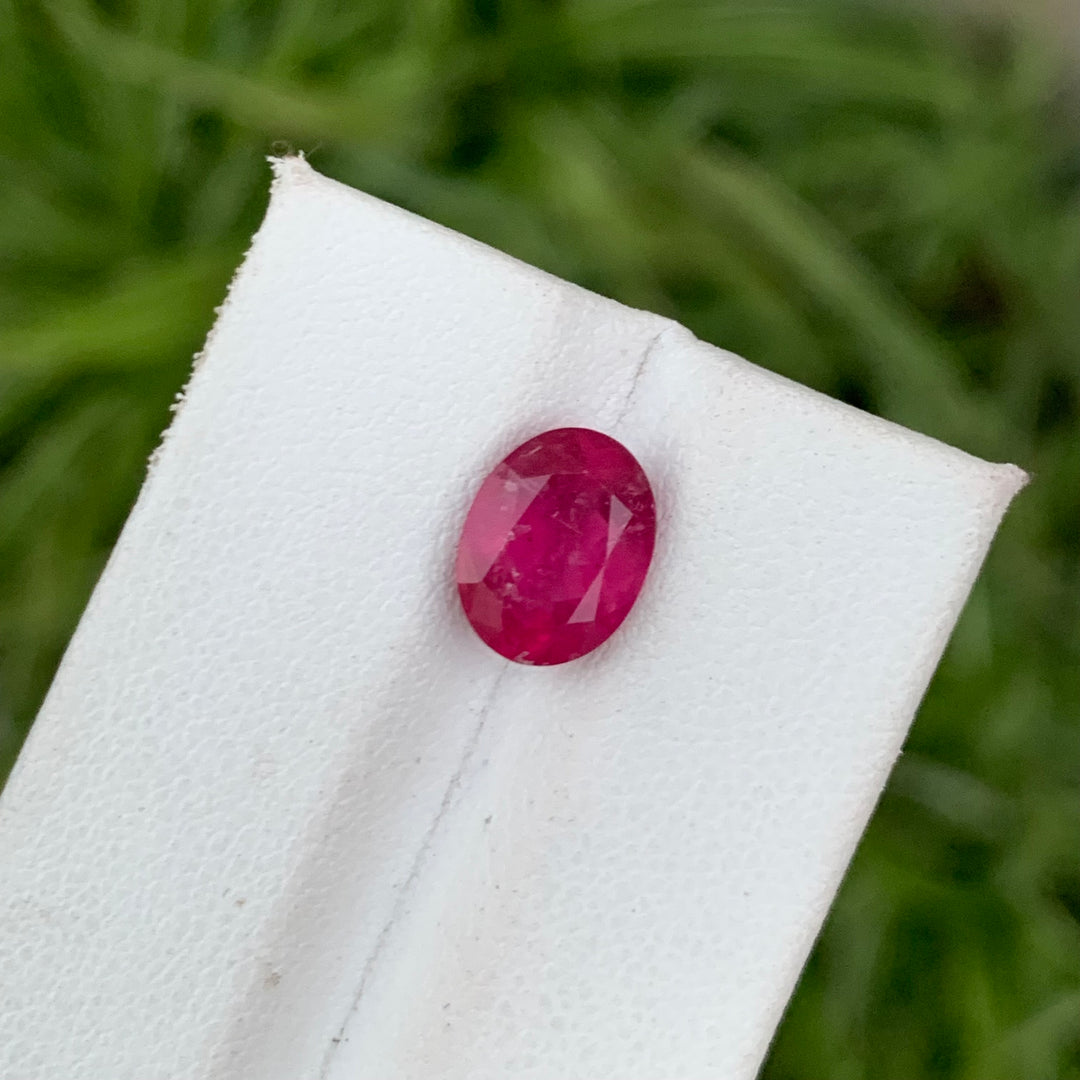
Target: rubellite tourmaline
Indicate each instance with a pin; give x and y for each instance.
(556, 546)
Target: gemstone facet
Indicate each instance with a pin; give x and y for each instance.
(556, 546)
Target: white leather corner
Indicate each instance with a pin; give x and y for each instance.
(284, 817)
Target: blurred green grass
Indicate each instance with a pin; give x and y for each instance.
(885, 206)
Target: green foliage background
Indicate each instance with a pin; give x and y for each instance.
(884, 206)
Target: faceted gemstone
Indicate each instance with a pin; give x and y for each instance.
(556, 546)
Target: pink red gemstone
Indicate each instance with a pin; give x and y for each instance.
(556, 546)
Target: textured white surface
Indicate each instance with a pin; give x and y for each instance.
(283, 817)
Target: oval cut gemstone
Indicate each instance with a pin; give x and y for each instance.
(556, 546)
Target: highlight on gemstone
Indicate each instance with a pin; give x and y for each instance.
(556, 546)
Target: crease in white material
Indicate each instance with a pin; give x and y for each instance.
(284, 817)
